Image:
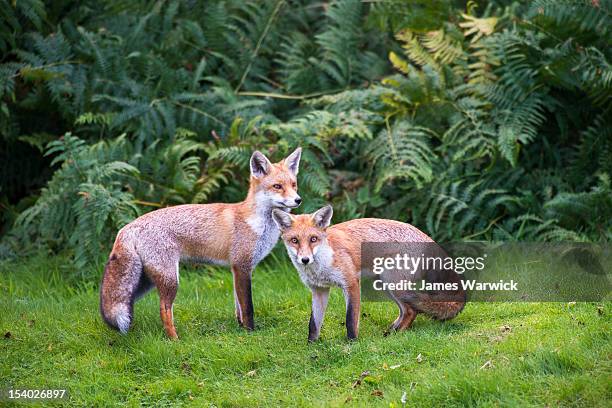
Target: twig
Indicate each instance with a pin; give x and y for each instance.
(201, 112)
(147, 203)
(486, 229)
(288, 96)
(259, 42)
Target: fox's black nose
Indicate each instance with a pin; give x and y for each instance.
(305, 260)
(298, 200)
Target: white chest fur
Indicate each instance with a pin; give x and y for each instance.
(267, 234)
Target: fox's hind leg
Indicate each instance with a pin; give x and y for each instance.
(397, 321)
(165, 277)
(406, 316)
(237, 306)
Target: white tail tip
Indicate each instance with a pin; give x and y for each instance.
(122, 319)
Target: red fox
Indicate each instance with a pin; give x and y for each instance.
(147, 251)
(326, 257)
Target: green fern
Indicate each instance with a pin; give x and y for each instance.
(575, 15)
(403, 153)
(471, 124)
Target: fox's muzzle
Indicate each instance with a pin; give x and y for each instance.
(293, 203)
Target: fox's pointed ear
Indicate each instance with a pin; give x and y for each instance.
(282, 219)
(293, 161)
(322, 218)
(260, 165)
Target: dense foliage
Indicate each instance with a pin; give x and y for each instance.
(477, 121)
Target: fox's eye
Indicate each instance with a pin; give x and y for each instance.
(313, 239)
(294, 240)
(294, 185)
(277, 186)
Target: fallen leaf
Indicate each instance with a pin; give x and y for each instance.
(404, 399)
(201, 384)
(571, 304)
(393, 367)
(377, 393)
(600, 310)
(419, 358)
(348, 399)
(487, 365)
(363, 375)
(385, 366)
(412, 385)
(50, 347)
(251, 373)
(505, 328)
(31, 323)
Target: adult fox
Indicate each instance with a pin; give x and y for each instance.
(326, 257)
(147, 251)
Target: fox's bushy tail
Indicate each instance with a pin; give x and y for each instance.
(438, 309)
(439, 305)
(122, 283)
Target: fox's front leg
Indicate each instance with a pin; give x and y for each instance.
(352, 295)
(319, 304)
(243, 297)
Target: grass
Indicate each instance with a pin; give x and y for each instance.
(493, 354)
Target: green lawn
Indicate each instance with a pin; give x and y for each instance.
(519, 354)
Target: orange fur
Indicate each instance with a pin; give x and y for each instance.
(147, 251)
(331, 256)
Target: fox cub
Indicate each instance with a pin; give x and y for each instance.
(330, 256)
(147, 251)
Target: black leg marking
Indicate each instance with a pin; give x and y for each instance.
(350, 322)
(312, 329)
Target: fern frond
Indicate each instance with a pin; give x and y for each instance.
(402, 153)
(582, 15)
